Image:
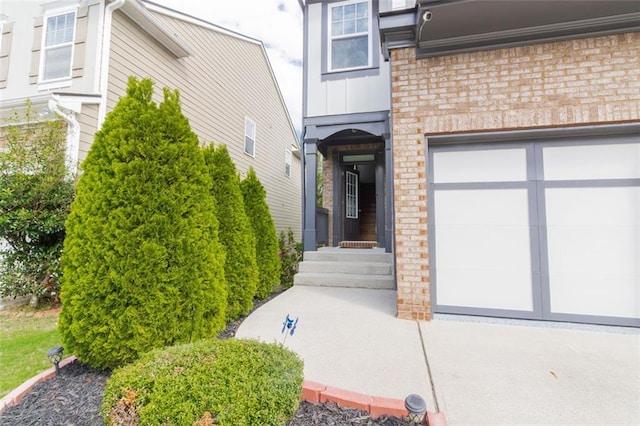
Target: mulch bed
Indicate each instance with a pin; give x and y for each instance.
(73, 398)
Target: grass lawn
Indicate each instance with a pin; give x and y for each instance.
(24, 340)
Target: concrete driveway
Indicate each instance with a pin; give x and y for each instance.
(474, 370)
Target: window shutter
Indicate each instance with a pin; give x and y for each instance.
(35, 50)
(4, 53)
(80, 42)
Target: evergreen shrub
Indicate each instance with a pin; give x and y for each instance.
(142, 264)
(236, 233)
(223, 382)
(267, 250)
(290, 257)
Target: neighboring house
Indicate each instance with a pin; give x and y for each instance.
(75, 56)
(493, 145)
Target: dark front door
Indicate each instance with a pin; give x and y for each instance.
(351, 205)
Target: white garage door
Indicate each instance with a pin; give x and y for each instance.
(544, 230)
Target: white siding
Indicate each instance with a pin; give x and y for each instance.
(224, 80)
(346, 95)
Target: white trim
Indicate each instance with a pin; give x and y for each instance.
(331, 38)
(250, 136)
(73, 133)
(287, 163)
(50, 13)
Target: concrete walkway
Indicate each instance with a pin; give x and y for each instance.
(483, 372)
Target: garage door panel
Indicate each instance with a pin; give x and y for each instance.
(609, 206)
(593, 259)
(489, 288)
(593, 293)
(503, 207)
(484, 247)
(612, 161)
(495, 165)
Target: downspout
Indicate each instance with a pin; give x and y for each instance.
(104, 62)
(73, 135)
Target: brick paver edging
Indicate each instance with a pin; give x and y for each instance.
(375, 405)
(311, 391)
(16, 395)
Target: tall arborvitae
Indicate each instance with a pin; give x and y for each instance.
(267, 250)
(236, 234)
(142, 264)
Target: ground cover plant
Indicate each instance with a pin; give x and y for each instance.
(36, 190)
(264, 229)
(142, 263)
(24, 341)
(224, 382)
(236, 234)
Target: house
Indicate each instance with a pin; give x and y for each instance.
(74, 57)
(491, 147)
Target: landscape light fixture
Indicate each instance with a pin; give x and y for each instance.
(55, 355)
(416, 406)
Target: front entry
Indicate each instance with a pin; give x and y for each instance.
(361, 193)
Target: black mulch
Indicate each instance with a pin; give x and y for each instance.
(73, 398)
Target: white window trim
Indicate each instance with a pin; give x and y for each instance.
(330, 38)
(287, 163)
(252, 137)
(63, 81)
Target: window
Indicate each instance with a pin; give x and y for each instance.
(249, 137)
(57, 48)
(349, 40)
(287, 163)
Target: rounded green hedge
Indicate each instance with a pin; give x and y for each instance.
(224, 382)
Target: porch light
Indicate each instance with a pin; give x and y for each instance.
(416, 406)
(55, 355)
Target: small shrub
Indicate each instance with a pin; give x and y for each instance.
(255, 204)
(224, 382)
(290, 257)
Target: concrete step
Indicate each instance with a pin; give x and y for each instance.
(344, 280)
(362, 268)
(348, 255)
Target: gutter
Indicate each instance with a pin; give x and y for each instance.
(73, 135)
(104, 62)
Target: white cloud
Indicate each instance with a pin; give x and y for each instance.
(277, 23)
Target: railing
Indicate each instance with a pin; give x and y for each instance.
(392, 5)
(322, 226)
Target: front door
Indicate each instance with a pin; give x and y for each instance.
(351, 206)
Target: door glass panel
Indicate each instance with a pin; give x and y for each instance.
(352, 195)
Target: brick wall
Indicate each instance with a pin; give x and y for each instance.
(576, 82)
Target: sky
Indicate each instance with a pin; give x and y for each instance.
(277, 23)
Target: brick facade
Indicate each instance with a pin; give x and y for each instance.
(575, 82)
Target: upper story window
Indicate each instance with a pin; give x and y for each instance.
(57, 46)
(249, 137)
(349, 36)
(287, 163)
